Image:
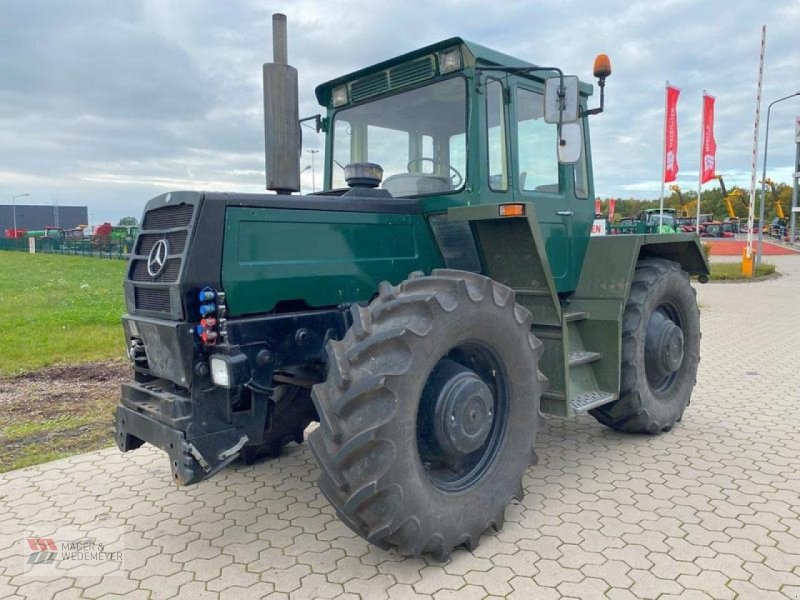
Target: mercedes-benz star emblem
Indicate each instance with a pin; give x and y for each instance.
(157, 259)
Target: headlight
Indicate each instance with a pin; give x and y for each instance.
(340, 95)
(229, 370)
(450, 60)
(221, 371)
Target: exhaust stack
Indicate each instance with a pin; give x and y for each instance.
(281, 115)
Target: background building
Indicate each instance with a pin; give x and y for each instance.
(38, 217)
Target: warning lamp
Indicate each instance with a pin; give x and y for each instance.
(602, 66)
(512, 210)
(601, 70)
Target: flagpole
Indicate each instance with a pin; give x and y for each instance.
(663, 161)
(748, 253)
(700, 172)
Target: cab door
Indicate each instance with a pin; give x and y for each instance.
(539, 178)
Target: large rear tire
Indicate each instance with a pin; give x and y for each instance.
(660, 350)
(429, 413)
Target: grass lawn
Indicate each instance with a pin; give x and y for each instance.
(59, 309)
(61, 355)
(733, 270)
(58, 411)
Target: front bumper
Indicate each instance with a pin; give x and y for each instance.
(149, 414)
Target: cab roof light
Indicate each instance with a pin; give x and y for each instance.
(449, 61)
(512, 210)
(339, 96)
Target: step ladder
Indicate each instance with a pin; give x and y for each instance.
(578, 391)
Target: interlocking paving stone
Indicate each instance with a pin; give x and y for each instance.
(709, 510)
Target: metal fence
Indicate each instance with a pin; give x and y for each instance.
(52, 245)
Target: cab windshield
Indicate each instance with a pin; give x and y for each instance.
(418, 137)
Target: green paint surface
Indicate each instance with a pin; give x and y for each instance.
(318, 258)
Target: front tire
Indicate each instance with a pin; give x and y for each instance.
(429, 413)
(660, 351)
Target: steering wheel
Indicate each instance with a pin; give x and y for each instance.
(456, 183)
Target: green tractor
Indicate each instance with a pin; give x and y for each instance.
(427, 307)
(658, 221)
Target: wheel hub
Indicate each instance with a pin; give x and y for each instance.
(664, 345)
(463, 413)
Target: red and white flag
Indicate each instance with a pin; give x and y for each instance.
(671, 135)
(709, 158)
(611, 205)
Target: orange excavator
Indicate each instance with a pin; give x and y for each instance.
(684, 217)
(778, 226)
(728, 197)
(686, 210)
(779, 212)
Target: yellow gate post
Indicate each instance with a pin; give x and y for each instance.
(748, 263)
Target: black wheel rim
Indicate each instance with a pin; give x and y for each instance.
(664, 347)
(461, 417)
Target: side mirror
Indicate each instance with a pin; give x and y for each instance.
(570, 143)
(561, 105)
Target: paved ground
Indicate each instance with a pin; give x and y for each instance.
(731, 247)
(709, 510)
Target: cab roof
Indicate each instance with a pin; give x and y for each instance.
(481, 55)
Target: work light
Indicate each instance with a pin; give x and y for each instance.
(220, 371)
(340, 95)
(449, 60)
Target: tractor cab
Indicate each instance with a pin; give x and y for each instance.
(457, 124)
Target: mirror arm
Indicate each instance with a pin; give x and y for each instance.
(601, 82)
(317, 121)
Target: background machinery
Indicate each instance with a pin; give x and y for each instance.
(780, 223)
(685, 216)
(728, 198)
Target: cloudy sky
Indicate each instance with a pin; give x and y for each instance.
(108, 103)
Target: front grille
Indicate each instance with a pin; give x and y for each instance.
(176, 239)
(412, 72)
(152, 299)
(173, 224)
(392, 79)
(168, 275)
(371, 85)
(167, 217)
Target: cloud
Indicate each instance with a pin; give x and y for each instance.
(109, 103)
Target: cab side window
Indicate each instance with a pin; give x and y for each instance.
(536, 145)
(582, 170)
(496, 136)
